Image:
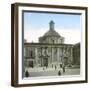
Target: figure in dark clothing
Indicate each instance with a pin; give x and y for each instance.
(60, 65)
(59, 73)
(63, 69)
(26, 74)
(55, 67)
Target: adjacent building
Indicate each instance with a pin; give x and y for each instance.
(76, 54)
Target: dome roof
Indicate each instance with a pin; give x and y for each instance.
(52, 33)
(51, 36)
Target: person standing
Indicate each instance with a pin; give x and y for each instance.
(63, 69)
(26, 73)
(59, 73)
(55, 67)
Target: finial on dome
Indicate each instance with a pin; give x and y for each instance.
(51, 25)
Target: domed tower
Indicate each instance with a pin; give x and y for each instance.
(51, 36)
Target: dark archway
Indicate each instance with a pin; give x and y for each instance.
(31, 64)
(45, 62)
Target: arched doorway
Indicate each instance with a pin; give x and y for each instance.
(45, 62)
(31, 64)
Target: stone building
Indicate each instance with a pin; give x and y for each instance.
(76, 54)
(50, 51)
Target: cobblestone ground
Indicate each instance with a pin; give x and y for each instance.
(34, 72)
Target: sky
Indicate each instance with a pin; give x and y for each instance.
(67, 25)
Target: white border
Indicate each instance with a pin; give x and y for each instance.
(50, 79)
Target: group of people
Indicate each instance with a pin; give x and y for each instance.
(59, 72)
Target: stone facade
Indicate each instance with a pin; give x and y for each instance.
(50, 51)
(39, 55)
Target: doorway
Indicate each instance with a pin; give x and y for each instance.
(31, 64)
(45, 62)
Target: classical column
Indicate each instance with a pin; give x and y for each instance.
(62, 57)
(52, 55)
(36, 57)
(58, 56)
(41, 57)
(71, 54)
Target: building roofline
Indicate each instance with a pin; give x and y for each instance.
(45, 44)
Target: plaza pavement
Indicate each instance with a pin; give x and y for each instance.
(36, 72)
